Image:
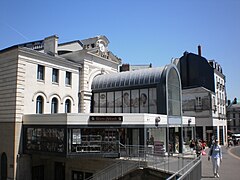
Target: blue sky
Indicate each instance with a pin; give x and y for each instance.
(140, 31)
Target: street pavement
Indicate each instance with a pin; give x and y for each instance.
(230, 167)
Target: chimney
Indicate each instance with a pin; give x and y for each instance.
(51, 45)
(124, 67)
(199, 50)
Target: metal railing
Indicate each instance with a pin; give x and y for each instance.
(116, 170)
(135, 157)
(193, 170)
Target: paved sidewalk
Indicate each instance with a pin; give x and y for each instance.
(230, 167)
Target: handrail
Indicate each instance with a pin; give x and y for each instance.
(140, 157)
(188, 168)
(115, 170)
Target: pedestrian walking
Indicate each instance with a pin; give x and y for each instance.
(198, 148)
(215, 153)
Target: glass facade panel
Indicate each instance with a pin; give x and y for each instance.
(153, 100)
(129, 101)
(103, 101)
(110, 102)
(144, 100)
(118, 101)
(135, 101)
(126, 102)
(174, 97)
(96, 103)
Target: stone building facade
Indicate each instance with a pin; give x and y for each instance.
(204, 95)
(45, 77)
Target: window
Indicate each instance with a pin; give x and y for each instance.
(3, 166)
(39, 105)
(68, 80)
(198, 101)
(103, 107)
(79, 175)
(54, 106)
(40, 72)
(55, 75)
(174, 93)
(67, 106)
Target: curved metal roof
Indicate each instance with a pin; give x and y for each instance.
(128, 79)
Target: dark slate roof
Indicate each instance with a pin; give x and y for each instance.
(128, 79)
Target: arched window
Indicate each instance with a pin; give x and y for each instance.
(3, 166)
(174, 93)
(54, 106)
(39, 105)
(67, 106)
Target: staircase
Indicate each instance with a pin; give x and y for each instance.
(117, 170)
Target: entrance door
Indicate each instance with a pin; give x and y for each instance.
(59, 171)
(38, 173)
(3, 166)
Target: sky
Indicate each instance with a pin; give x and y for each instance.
(139, 31)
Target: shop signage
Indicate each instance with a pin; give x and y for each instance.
(106, 118)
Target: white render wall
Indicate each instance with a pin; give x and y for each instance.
(47, 89)
(90, 69)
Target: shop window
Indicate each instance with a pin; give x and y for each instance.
(54, 106)
(44, 140)
(68, 106)
(39, 105)
(40, 72)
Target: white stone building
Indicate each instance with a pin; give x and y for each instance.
(50, 126)
(45, 77)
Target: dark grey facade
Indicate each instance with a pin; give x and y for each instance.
(195, 71)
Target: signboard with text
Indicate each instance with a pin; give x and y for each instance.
(106, 118)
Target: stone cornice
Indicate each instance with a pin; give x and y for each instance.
(47, 58)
